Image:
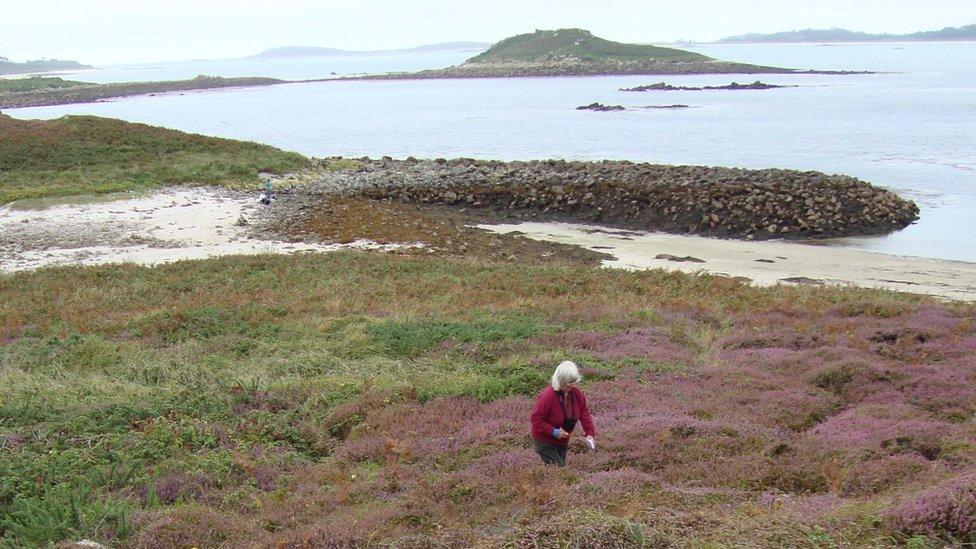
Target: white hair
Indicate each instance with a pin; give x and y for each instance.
(566, 372)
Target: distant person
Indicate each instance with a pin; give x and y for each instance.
(559, 406)
(268, 194)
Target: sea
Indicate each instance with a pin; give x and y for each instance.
(909, 127)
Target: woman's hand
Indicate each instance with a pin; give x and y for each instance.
(562, 434)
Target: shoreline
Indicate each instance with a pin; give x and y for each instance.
(763, 263)
(179, 223)
(95, 93)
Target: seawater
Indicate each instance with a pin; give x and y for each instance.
(910, 128)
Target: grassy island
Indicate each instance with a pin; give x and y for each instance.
(577, 52)
(575, 44)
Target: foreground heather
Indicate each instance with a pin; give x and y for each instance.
(354, 399)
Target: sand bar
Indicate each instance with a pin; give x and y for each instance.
(764, 263)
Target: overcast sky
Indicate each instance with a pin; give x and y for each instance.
(114, 31)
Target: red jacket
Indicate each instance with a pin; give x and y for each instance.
(548, 415)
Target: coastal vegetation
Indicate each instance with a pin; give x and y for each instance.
(86, 93)
(90, 155)
(39, 65)
(37, 83)
(354, 399)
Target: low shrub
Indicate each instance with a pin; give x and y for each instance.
(947, 510)
(585, 528)
(513, 381)
(63, 511)
(207, 322)
(193, 526)
(406, 339)
(877, 475)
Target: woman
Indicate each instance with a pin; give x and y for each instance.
(556, 411)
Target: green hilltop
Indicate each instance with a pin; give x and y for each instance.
(575, 44)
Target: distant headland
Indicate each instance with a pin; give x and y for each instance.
(312, 51)
(577, 52)
(947, 34)
(39, 65)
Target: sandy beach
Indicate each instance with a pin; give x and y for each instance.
(764, 263)
(163, 226)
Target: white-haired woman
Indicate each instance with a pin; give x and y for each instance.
(559, 406)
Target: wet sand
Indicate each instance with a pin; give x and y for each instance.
(763, 263)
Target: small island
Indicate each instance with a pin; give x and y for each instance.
(663, 86)
(577, 52)
(600, 107)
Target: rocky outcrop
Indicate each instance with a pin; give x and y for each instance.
(600, 107)
(724, 202)
(663, 86)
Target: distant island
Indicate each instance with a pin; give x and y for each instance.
(965, 33)
(312, 51)
(41, 91)
(40, 65)
(734, 86)
(577, 52)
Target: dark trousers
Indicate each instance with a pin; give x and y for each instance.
(551, 454)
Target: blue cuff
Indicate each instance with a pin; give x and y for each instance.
(555, 432)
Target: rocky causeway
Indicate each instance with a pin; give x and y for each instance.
(701, 200)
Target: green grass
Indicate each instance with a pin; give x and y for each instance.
(37, 83)
(90, 155)
(546, 45)
(404, 339)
